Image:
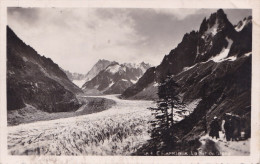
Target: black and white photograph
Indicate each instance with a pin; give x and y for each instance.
(97, 81)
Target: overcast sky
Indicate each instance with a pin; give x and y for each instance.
(76, 38)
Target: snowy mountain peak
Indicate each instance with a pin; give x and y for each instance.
(80, 79)
(116, 77)
(212, 36)
(114, 68)
(130, 65)
(241, 24)
(99, 66)
(142, 65)
(215, 23)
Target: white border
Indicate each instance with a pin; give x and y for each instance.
(255, 144)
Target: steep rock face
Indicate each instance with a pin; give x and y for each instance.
(116, 78)
(80, 79)
(224, 88)
(220, 77)
(241, 24)
(213, 36)
(216, 40)
(243, 39)
(99, 66)
(143, 82)
(182, 56)
(36, 80)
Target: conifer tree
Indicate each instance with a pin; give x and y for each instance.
(162, 132)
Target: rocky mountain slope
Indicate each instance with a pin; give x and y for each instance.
(99, 66)
(116, 78)
(80, 79)
(217, 40)
(213, 64)
(36, 80)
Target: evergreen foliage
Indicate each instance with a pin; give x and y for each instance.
(162, 133)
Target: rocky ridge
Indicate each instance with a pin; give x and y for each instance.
(115, 78)
(36, 80)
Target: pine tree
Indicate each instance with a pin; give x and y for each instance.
(162, 133)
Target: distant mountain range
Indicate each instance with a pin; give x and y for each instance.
(36, 80)
(213, 64)
(80, 79)
(115, 78)
(108, 77)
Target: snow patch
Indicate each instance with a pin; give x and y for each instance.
(143, 69)
(241, 25)
(133, 81)
(135, 66)
(187, 68)
(248, 54)
(110, 85)
(214, 29)
(232, 58)
(238, 29)
(113, 69)
(197, 51)
(224, 53)
(155, 84)
(124, 69)
(131, 65)
(226, 148)
(25, 59)
(124, 80)
(191, 106)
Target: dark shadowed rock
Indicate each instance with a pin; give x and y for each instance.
(36, 80)
(214, 65)
(215, 36)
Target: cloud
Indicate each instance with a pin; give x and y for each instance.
(79, 35)
(179, 14)
(76, 38)
(29, 15)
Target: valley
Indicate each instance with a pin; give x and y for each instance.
(135, 108)
(120, 130)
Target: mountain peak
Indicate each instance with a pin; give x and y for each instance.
(144, 64)
(217, 21)
(212, 35)
(220, 12)
(115, 78)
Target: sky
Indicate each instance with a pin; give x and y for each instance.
(76, 38)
